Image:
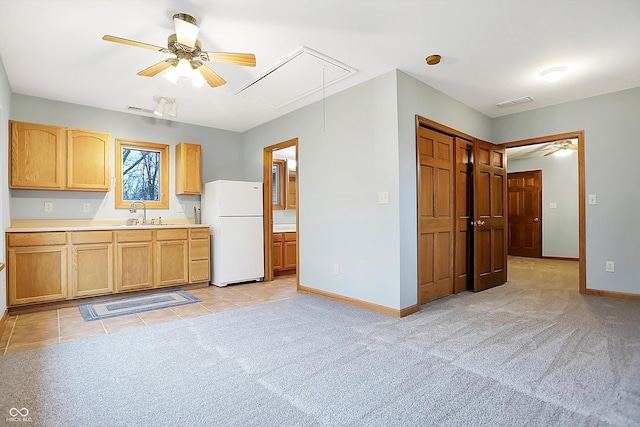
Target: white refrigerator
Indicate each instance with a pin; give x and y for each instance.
(233, 210)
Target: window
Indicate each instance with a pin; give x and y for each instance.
(142, 173)
(278, 183)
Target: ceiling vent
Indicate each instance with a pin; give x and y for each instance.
(297, 76)
(139, 110)
(522, 100)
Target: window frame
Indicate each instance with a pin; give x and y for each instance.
(163, 182)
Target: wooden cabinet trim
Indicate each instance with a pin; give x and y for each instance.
(172, 234)
(84, 237)
(134, 236)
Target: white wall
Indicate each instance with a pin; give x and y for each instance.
(221, 157)
(612, 150)
(5, 110)
(344, 159)
(559, 186)
(414, 97)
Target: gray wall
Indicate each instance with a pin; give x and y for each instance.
(221, 158)
(344, 159)
(414, 97)
(559, 186)
(5, 110)
(612, 149)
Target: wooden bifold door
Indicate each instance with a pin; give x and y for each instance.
(462, 214)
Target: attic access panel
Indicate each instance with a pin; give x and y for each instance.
(297, 76)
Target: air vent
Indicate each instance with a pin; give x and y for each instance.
(522, 100)
(139, 110)
(297, 76)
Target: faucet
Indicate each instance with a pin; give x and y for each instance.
(134, 210)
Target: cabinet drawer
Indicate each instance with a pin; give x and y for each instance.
(80, 237)
(133, 236)
(278, 237)
(290, 237)
(37, 239)
(199, 233)
(172, 234)
(199, 249)
(199, 271)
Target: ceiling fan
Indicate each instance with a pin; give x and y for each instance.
(563, 147)
(189, 57)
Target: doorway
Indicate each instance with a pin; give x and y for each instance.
(578, 140)
(281, 178)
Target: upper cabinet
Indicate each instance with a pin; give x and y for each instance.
(188, 168)
(292, 187)
(37, 157)
(56, 158)
(88, 161)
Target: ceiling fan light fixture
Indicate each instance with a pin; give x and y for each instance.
(172, 75)
(554, 74)
(563, 152)
(186, 29)
(184, 68)
(196, 78)
(433, 59)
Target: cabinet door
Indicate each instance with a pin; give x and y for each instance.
(36, 157)
(277, 255)
(290, 255)
(88, 160)
(37, 274)
(188, 168)
(134, 266)
(172, 267)
(92, 270)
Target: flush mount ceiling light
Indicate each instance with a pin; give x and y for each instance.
(433, 59)
(553, 74)
(162, 103)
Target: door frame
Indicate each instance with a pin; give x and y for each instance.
(582, 227)
(267, 185)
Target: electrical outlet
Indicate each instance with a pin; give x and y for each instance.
(48, 206)
(198, 206)
(86, 207)
(610, 266)
(383, 197)
(180, 208)
(336, 270)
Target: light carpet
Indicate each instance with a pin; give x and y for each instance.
(528, 353)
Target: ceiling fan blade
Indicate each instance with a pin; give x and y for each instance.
(156, 68)
(186, 29)
(244, 59)
(211, 76)
(555, 150)
(135, 43)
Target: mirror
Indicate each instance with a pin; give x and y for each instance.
(283, 175)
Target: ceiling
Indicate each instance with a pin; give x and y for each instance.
(492, 50)
(534, 150)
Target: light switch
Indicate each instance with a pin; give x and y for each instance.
(86, 207)
(592, 199)
(552, 205)
(48, 206)
(383, 197)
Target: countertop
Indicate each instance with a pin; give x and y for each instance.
(34, 226)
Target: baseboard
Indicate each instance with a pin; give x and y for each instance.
(613, 294)
(361, 304)
(3, 321)
(560, 258)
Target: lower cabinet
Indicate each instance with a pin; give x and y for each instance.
(41, 271)
(172, 267)
(91, 263)
(284, 252)
(134, 260)
(199, 248)
(59, 265)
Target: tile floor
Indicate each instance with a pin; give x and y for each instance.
(32, 330)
